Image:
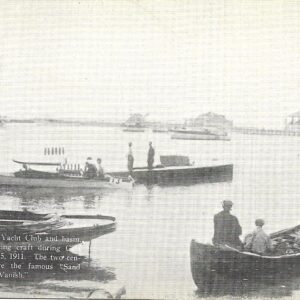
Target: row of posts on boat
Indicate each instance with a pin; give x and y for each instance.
(54, 151)
(92, 169)
(227, 231)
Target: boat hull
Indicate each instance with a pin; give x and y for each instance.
(134, 130)
(65, 237)
(195, 136)
(71, 183)
(207, 262)
(177, 175)
(160, 130)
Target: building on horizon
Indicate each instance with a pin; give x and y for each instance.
(135, 120)
(210, 119)
(292, 122)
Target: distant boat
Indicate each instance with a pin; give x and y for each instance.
(199, 134)
(207, 260)
(134, 129)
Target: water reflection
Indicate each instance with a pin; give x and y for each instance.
(34, 197)
(150, 192)
(275, 286)
(51, 277)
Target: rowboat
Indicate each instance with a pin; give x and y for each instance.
(27, 231)
(207, 261)
(178, 170)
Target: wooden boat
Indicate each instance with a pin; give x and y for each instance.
(71, 182)
(180, 175)
(180, 172)
(207, 261)
(29, 231)
(203, 134)
(61, 179)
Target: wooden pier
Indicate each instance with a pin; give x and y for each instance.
(262, 131)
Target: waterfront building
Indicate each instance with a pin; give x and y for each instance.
(292, 122)
(210, 119)
(136, 120)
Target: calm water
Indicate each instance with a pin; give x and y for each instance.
(149, 252)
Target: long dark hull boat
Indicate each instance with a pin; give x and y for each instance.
(27, 231)
(207, 261)
(180, 174)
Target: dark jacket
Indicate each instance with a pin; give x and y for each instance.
(227, 229)
(151, 153)
(90, 171)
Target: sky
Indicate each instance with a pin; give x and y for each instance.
(102, 60)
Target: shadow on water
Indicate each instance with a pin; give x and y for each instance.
(275, 286)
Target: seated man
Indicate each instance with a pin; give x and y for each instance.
(90, 170)
(258, 242)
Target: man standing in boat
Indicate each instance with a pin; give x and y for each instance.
(151, 154)
(130, 159)
(100, 170)
(226, 227)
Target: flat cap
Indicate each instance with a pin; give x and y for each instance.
(227, 203)
(259, 222)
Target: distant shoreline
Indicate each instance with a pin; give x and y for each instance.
(57, 121)
(238, 129)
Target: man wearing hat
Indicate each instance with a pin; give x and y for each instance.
(227, 227)
(130, 159)
(151, 154)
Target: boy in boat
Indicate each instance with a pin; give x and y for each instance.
(258, 241)
(226, 227)
(151, 154)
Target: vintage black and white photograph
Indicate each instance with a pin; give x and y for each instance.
(150, 149)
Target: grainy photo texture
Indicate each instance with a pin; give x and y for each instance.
(149, 149)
